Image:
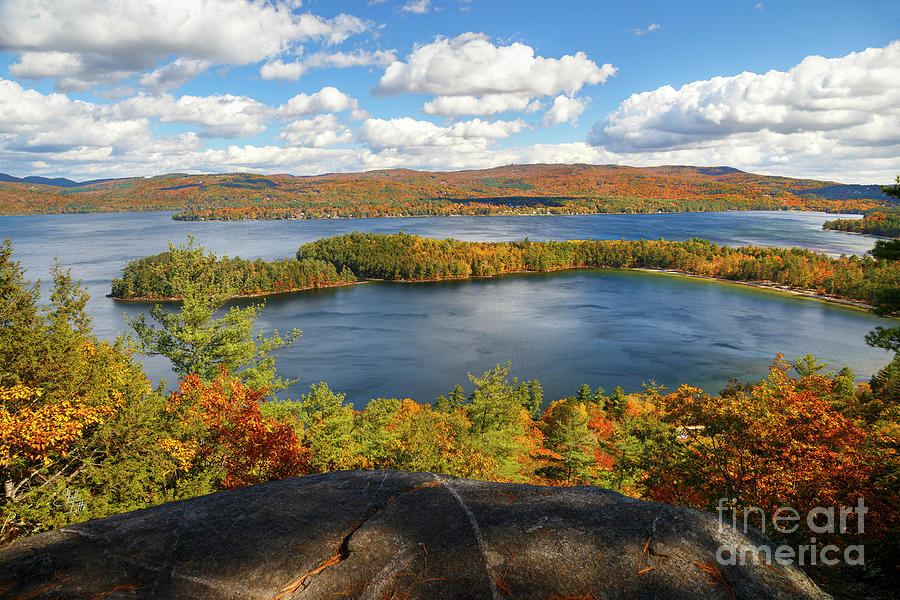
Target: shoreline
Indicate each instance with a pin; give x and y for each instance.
(763, 285)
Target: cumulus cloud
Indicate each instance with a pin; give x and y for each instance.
(489, 104)
(470, 66)
(564, 110)
(106, 39)
(328, 99)
(849, 100)
(225, 116)
(34, 122)
(285, 71)
(409, 133)
(291, 71)
(319, 132)
(175, 74)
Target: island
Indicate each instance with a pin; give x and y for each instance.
(356, 257)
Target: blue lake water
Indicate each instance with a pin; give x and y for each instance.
(600, 327)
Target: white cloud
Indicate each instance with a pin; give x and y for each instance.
(564, 110)
(408, 133)
(225, 116)
(278, 69)
(416, 6)
(838, 102)
(651, 27)
(291, 71)
(319, 132)
(52, 123)
(328, 99)
(175, 74)
(489, 104)
(107, 40)
(357, 58)
(470, 65)
(37, 65)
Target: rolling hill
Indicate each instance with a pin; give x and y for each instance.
(558, 188)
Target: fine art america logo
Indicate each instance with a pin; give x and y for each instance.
(820, 520)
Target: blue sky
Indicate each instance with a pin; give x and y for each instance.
(93, 88)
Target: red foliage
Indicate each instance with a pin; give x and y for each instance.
(252, 448)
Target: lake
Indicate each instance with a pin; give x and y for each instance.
(600, 327)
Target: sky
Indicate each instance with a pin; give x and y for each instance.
(117, 88)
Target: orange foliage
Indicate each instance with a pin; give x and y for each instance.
(44, 431)
(778, 441)
(252, 448)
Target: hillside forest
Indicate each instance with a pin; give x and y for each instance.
(514, 189)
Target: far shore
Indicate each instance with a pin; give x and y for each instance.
(765, 285)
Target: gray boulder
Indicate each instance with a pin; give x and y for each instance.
(390, 534)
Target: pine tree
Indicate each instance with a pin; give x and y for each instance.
(199, 343)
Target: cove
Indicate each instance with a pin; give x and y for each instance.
(600, 327)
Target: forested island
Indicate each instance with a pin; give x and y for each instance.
(883, 221)
(354, 257)
(513, 189)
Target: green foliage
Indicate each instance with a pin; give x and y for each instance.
(150, 278)
(23, 342)
(885, 337)
(886, 250)
(892, 190)
(616, 404)
(330, 430)
(195, 340)
(566, 432)
(495, 408)
(808, 365)
(78, 421)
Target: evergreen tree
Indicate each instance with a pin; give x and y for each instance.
(616, 404)
(457, 397)
(494, 410)
(567, 433)
(195, 340)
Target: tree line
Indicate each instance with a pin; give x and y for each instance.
(151, 277)
(883, 221)
(401, 257)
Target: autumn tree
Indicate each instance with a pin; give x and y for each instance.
(225, 438)
(567, 435)
(61, 390)
(779, 441)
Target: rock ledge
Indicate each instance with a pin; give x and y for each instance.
(390, 534)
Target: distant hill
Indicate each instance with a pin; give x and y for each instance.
(512, 189)
(54, 181)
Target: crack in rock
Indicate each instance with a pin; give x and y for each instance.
(343, 549)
